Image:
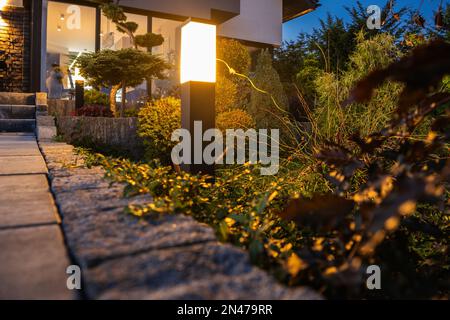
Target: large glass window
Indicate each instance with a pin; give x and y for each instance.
(111, 38)
(168, 29)
(70, 32)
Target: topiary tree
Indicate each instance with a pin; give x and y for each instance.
(262, 107)
(120, 69)
(125, 67)
(112, 10)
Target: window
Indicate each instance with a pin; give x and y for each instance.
(111, 38)
(70, 32)
(168, 50)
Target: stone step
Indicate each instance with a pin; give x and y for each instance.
(17, 111)
(17, 98)
(17, 125)
(45, 121)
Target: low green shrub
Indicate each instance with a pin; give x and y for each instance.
(226, 94)
(234, 119)
(157, 121)
(95, 97)
(235, 54)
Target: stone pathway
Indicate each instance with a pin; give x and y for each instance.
(121, 257)
(162, 257)
(33, 256)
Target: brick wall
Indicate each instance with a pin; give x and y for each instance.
(15, 49)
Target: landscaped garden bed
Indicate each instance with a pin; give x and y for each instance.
(164, 256)
(324, 218)
(364, 188)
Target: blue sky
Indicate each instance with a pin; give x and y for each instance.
(307, 22)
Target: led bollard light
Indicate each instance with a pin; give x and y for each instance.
(198, 79)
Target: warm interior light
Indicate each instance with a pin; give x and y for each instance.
(198, 52)
(14, 3)
(3, 4)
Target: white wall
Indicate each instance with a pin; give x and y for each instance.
(259, 21)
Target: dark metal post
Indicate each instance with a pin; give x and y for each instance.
(79, 94)
(198, 104)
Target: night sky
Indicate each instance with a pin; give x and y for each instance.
(307, 22)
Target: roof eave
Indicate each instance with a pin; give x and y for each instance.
(307, 7)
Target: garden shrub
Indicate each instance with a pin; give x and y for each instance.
(234, 119)
(226, 94)
(157, 121)
(131, 112)
(232, 92)
(235, 54)
(95, 97)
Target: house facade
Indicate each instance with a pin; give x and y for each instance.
(36, 34)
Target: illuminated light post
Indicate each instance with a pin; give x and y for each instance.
(198, 81)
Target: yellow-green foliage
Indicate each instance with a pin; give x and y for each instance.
(95, 97)
(157, 121)
(335, 122)
(234, 119)
(226, 94)
(232, 91)
(235, 54)
(262, 108)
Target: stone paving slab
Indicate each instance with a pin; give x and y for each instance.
(33, 264)
(17, 141)
(19, 208)
(77, 203)
(25, 183)
(253, 285)
(94, 220)
(70, 171)
(22, 165)
(101, 236)
(165, 268)
(18, 146)
(7, 137)
(20, 149)
(203, 271)
(79, 182)
(33, 257)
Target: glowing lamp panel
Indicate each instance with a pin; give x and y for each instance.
(198, 52)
